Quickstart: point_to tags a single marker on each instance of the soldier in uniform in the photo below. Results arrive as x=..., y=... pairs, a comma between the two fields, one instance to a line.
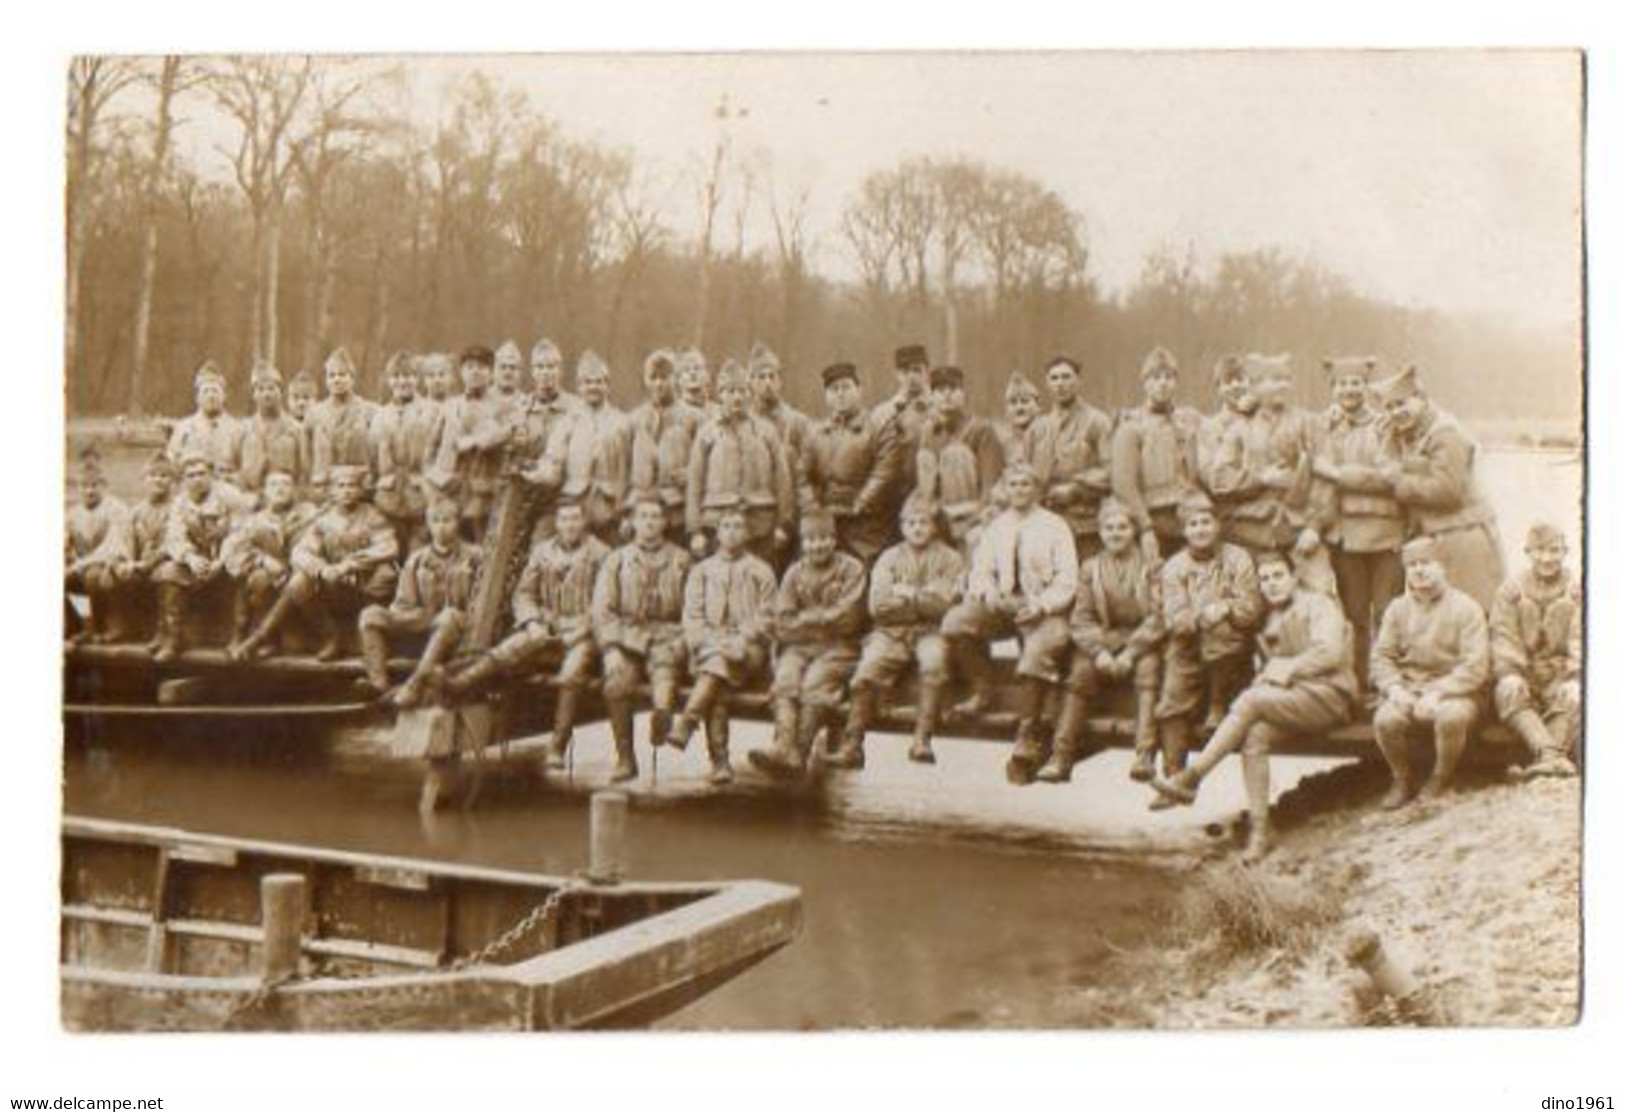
x=1070, y=450
x=270, y=439
x=193, y=538
x=1117, y=639
x=913, y=586
x=1154, y=456
x=474, y=434
x=817, y=620
x=404, y=431
x=344, y=559
x=97, y=540
x=210, y=432
x=1355, y=511
x=1022, y=405
x=1023, y=580
x=694, y=379
x=727, y=623
x=739, y=463
x=552, y=624
x=1305, y=687
x=1535, y=653
x=258, y=555
x=960, y=460
x=1221, y=437
x=507, y=380
x=147, y=530
x=301, y=400
x=851, y=467
x=435, y=374
x=637, y=616
x=1210, y=610
x=1431, y=473
x=340, y=424
x=589, y=456
x=767, y=404
x=663, y=432
x=907, y=412
x=1430, y=666
x=432, y=596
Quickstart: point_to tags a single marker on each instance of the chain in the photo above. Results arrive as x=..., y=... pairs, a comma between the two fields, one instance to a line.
x=254, y=1002
x=535, y=919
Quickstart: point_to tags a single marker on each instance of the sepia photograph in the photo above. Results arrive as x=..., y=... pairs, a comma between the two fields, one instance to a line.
x=823, y=541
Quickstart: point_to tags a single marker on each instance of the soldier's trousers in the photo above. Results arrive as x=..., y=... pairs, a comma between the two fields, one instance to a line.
x=529, y=651
x=1557, y=703
x=1366, y=583
x=814, y=674
x=1189, y=680
x=662, y=663
x=888, y=654
x=1044, y=644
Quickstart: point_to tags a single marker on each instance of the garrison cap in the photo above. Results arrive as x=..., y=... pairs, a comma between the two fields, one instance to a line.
x=399, y=362
x=262, y=371
x=1401, y=384
x=947, y=376
x=339, y=360
x=303, y=379
x=476, y=353
x=1228, y=368
x=509, y=353
x=835, y=372
x=660, y=358
x=817, y=520
x=1336, y=367
x=159, y=463
x=1544, y=532
x=910, y=355
x=208, y=372
x=918, y=504
x=191, y=456
x=763, y=357
x=591, y=363
x=543, y=349
x=1113, y=507
x=1194, y=503
x=732, y=374
x=1019, y=385
x=1420, y=549
x=1156, y=360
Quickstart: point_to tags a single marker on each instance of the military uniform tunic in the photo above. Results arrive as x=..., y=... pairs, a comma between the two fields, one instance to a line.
x=910, y=592
x=817, y=621
x=852, y=469
x=1536, y=637
x=728, y=615
x=552, y=609
x=637, y=613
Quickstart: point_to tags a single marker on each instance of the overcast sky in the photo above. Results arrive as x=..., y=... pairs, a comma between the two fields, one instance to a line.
x=1445, y=179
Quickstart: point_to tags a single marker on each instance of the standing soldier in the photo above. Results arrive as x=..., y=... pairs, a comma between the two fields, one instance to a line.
x=474, y=434
x=739, y=464
x=1222, y=438
x=817, y=620
x=270, y=440
x=1210, y=610
x=345, y=559
x=767, y=404
x=960, y=459
x=194, y=536
x=1070, y=450
x=1154, y=456
x=915, y=583
x=97, y=541
x=727, y=622
x=552, y=624
x=694, y=379
x=907, y=411
x=1355, y=511
x=546, y=408
x=1023, y=580
x=1306, y=687
x=340, y=424
x=210, y=432
x=1117, y=639
x=431, y=596
x=1431, y=474
x=1535, y=650
x=403, y=434
x=663, y=432
x=637, y=616
x=507, y=380
x=258, y=556
x=301, y=400
x=148, y=529
x=589, y=456
x=1430, y=666
x=1022, y=405
x=851, y=467
x=436, y=372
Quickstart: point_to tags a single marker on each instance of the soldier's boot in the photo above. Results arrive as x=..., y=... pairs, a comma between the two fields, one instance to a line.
x=330, y=646
x=925, y=724
x=242, y=622
x=970, y=658
x=1175, y=738
x=1145, y=736
x=98, y=624
x=783, y=760
x=1225, y=680
x=620, y=728
x=171, y=611
x=660, y=726
x=716, y=744
x=259, y=643
x=466, y=680
x=1255, y=772
x=1546, y=755
x=865, y=700
x=564, y=727
x=1030, y=750
x=374, y=662
x=441, y=642
x=1068, y=739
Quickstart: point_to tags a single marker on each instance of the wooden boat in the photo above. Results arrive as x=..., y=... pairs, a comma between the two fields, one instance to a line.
x=162, y=930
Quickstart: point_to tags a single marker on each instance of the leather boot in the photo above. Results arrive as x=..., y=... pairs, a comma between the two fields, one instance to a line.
x=171, y=611
x=783, y=760
x=1145, y=736
x=242, y=620
x=865, y=699
x=564, y=726
x=1027, y=754
x=375, y=659
x=1176, y=744
x=98, y=625
x=260, y=641
x=1178, y=790
x=925, y=724
x=470, y=679
x=716, y=744
x=977, y=671
x=620, y=727
x=330, y=647
x=1068, y=740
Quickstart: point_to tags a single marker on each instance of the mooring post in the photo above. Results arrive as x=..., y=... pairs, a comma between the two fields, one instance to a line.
x=1364, y=950
x=282, y=915
x=607, y=863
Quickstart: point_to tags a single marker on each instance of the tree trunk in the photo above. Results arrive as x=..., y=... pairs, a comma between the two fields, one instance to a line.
x=149, y=244
x=78, y=216
x=256, y=294
x=273, y=273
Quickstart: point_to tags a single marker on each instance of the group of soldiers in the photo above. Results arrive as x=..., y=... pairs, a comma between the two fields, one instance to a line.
x=1242, y=575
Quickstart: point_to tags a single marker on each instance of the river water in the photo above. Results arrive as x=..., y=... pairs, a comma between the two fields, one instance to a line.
x=934, y=897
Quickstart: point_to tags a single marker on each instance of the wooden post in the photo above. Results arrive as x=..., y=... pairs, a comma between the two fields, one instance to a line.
x=607, y=863
x=282, y=915
x=1364, y=951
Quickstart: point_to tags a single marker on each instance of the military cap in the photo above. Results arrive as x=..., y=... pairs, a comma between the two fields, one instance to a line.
x=1544, y=532
x=917, y=504
x=1064, y=361
x=159, y=463
x=1113, y=507
x=262, y=371
x=1420, y=549
x=476, y=353
x=510, y=352
x=1158, y=359
x=397, y=362
x=1401, y=384
x=1019, y=385
x=732, y=373
x=591, y=363
x=764, y=357
x=817, y=520
x=835, y=372
x=339, y=360
x=1228, y=368
x=208, y=372
x=660, y=357
x=349, y=471
x=1363, y=365
x=910, y=355
x=191, y=456
x=90, y=458
x=1019, y=466
x=947, y=376
x=303, y=378
x=543, y=349
x=1194, y=503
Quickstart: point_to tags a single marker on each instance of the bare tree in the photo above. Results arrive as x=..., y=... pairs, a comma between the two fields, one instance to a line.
x=789, y=213
x=712, y=186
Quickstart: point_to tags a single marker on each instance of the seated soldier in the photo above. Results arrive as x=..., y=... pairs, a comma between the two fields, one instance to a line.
x=727, y=615
x=1306, y=686
x=1117, y=639
x=552, y=623
x=1535, y=652
x=345, y=558
x=258, y=555
x=637, y=615
x=97, y=539
x=1022, y=582
x=194, y=537
x=144, y=546
x=1210, y=609
x=914, y=584
x=431, y=596
x=817, y=620
x=1430, y=665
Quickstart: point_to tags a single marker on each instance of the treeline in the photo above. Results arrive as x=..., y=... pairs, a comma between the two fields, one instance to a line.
x=345, y=220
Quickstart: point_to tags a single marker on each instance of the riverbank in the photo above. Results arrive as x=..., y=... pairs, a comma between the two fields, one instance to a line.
x=1476, y=895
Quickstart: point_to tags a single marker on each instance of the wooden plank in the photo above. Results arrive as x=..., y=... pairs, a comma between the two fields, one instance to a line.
x=157, y=933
